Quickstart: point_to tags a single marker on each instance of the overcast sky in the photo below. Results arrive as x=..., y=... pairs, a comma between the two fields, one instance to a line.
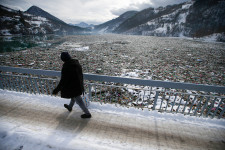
x=89, y=11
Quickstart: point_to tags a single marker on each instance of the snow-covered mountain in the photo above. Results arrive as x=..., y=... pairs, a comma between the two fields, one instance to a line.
x=163, y=21
x=34, y=10
x=206, y=17
x=195, y=18
x=39, y=22
x=83, y=25
x=111, y=25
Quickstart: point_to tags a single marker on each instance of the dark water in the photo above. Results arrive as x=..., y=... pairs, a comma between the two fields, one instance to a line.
x=17, y=43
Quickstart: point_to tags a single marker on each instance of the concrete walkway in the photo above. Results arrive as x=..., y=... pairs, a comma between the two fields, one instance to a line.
x=113, y=130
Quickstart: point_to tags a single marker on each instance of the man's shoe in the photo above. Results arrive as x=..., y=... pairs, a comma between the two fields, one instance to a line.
x=67, y=107
x=86, y=116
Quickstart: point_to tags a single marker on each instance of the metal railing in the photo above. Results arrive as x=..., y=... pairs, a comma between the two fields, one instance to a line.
x=173, y=97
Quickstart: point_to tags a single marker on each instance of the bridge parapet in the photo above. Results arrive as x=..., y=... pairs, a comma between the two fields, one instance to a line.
x=164, y=96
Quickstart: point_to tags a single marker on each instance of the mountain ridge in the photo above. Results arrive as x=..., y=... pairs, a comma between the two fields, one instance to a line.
x=23, y=23
x=145, y=16
x=110, y=25
x=83, y=25
x=34, y=10
x=195, y=18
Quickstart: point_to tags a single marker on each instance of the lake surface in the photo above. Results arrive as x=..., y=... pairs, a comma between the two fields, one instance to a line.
x=17, y=43
x=156, y=58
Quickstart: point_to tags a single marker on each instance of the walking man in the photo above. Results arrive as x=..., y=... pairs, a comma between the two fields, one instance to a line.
x=71, y=83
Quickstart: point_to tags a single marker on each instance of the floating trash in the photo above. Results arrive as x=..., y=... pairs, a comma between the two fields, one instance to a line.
x=199, y=60
x=86, y=48
x=167, y=49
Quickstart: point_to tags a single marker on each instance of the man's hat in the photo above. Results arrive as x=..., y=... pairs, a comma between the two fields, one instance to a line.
x=65, y=56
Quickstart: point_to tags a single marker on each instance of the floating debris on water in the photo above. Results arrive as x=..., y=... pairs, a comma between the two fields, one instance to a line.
x=161, y=58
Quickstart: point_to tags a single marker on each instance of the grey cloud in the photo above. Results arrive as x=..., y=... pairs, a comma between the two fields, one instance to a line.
x=94, y=11
x=118, y=12
x=133, y=6
x=16, y=4
x=85, y=1
x=167, y=2
x=141, y=6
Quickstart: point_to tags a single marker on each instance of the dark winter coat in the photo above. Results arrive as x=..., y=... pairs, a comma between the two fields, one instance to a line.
x=71, y=83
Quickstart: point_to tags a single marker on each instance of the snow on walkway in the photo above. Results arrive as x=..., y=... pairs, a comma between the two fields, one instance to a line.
x=40, y=122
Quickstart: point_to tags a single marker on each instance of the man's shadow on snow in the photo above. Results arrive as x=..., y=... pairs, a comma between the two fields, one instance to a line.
x=71, y=121
x=70, y=125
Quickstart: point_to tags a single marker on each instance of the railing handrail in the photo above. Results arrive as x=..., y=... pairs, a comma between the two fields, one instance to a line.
x=134, y=81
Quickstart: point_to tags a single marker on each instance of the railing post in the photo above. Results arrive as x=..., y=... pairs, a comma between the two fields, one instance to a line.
x=1, y=82
x=89, y=89
x=36, y=85
x=192, y=104
x=32, y=86
x=28, y=84
x=49, y=88
x=174, y=102
x=155, y=100
x=211, y=106
x=13, y=84
x=95, y=92
x=101, y=95
x=21, y=83
x=18, y=83
x=45, y=87
x=206, y=103
x=8, y=82
x=198, y=105
x=167, y=101
x=24, y=84
x=162, y=101
x=179, y=103
x=217, y=108
x=40, y=84
x=187, y=100
x=222, y=112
